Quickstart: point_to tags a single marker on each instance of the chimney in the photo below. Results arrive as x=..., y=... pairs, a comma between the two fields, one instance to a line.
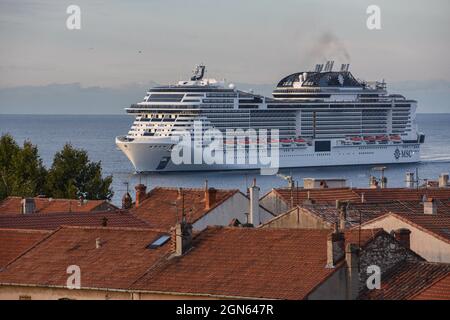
x=352, y=261
x=254, y=217
x=430, y=206
x=443, y=180
x=383, y=182
x=127, y=201
x=140, y=194
x=341, y=206
x=403, y=236
x=98, y=243
x=28, y=205
x=181, y=238
x=335, y=247
x=409, y=179
x=373, y=183
x=210, y=197
x=81, y=200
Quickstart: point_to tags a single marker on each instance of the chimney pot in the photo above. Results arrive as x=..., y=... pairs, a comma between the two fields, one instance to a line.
x=335, y=247
x=403, y=236
x=210, y=197
x=410, y=179
x=127, y=201
x=254, y=214
x=140, y=194
x=443, y=180
x=430, y=206
x=28, y=205
x=181, y=238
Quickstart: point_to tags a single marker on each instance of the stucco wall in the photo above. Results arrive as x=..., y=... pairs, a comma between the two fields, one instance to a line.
x=298, y=218
x=426, y=245
x=333, y=288
x=234, y=207
x=273, y=203
x=45, y=293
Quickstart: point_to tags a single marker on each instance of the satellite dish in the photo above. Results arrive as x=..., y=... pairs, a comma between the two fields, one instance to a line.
x=231, y=86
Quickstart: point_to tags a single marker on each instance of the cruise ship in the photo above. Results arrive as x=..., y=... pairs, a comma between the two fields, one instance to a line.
x=322, y=118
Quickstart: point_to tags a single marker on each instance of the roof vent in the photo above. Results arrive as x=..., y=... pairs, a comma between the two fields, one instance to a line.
x=98, y=243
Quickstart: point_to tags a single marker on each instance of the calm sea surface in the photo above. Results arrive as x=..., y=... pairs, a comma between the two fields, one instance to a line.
x=96, y=135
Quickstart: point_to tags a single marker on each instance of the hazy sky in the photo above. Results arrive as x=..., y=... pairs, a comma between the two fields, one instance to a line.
x=256, y=41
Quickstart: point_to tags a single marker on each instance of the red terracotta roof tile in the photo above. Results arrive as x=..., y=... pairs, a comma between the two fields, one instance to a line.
x=247, y=262
x=12, y=205
x=409, y=279
x=436, y=224
x=121, y=258
x=364, y=212
x=14, y=242
x=162, y=208
x=440, y=290
x=52, y=221
x=330, y=195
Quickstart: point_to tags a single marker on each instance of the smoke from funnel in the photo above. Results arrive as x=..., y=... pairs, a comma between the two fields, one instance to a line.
x=328, y=47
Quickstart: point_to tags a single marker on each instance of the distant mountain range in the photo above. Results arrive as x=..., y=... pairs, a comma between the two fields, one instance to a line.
x=433, y=97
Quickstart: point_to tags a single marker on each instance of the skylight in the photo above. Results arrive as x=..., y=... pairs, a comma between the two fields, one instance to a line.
x=158, y=242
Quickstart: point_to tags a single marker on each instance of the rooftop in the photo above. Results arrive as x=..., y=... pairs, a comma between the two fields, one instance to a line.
x=413, y=280
x=12, y=205
x=248, y=262
x=14, y=242
x=436, y=224
x=163, y=207
x=365, y=212
x=52, y=221
x=122, y=256
x=330, y=195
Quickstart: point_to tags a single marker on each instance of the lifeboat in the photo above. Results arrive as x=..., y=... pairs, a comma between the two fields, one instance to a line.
x=300, y=142
x=382, y=139
x=369, y=139
x=286, y=142
x=395, y=138
x=355, y=140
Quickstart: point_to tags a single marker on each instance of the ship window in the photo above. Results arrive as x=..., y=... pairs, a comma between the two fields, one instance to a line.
x=322, y=146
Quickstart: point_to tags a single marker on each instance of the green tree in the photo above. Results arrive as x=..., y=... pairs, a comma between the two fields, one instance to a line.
x=72, y=175
x=21, y=170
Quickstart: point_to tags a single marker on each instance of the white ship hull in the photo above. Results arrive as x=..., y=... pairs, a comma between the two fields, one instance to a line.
x=155, y=156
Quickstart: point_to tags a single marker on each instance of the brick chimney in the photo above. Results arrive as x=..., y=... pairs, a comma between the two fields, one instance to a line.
x=28, y=205
x=430, y=206
x=352, y=261
x=402, y=235
x=210, y=197
x=254, y=217
x=181, y=239
x=127, y=201
x=140, y=194
x=335, y=247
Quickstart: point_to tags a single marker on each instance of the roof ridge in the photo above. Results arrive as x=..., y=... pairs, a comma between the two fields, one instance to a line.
x=405, y=217
x=110, y=228
x=26, y=230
